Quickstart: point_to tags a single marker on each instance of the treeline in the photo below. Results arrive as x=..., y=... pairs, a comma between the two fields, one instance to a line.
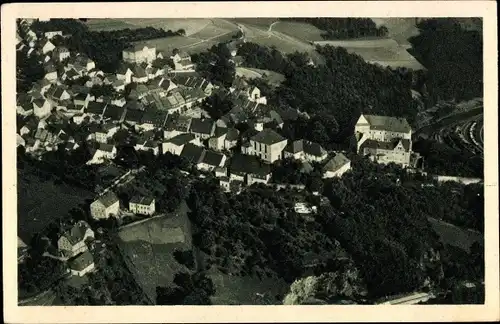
x=344, y=28
x=104, y=47
x=453, y=57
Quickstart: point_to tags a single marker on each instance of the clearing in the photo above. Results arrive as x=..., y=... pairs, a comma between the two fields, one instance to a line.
x=148, y=248
x=190, y=25
x=197, y=40
x=274, y=78
x=453, y=235
x=40, y=202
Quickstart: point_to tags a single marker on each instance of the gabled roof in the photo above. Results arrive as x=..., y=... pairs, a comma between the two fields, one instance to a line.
x=114, y=112
x=123, y=68
x=139, y=72
x=268, y=137
x=181, y=139
x=212, y=158
x=202, y=126
x=81, y=261
x=106, y=147
x=391, y=145
x=193, y=153
x=77, y=232
x=392, y=124
x=133, y=115
x=95, y=107
x=108, y=199
x=335, y=163
x=142, y=200
x=39, y=102
x=248, y=164
x=232, y=134
x=307, y=147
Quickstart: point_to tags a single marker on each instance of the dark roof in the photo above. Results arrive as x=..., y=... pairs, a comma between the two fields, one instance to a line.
x=244, y=164
x=212, y=158
x=142, y=200
x=114, y=112
x=77, y=232
x=139, y=72
x=122, y=69
x=268, y=137
x=232, y=134
x=373, y=144
x=137, y=47
x=134, y=105
x=336, y=162
x=220, y=131
x=201, y=126
x=81, y=261
x=307, y=147
x=108, y=199
x=106, y=147
x=193, y=153
x=181, y=139
x=39, y=102
x=95, y=107
x=392, y=124
x=81, y=96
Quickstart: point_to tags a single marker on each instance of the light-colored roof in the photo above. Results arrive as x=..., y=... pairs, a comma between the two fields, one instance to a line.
x=336, y=162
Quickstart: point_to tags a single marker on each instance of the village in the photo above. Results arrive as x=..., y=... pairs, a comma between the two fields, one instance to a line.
x=158, y=101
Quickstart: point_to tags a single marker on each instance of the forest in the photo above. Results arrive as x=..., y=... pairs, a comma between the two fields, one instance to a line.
x=453, y=57
x=214, y=65
x=344, y=28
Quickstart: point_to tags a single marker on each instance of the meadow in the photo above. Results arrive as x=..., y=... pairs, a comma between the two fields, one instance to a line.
x=190, y=25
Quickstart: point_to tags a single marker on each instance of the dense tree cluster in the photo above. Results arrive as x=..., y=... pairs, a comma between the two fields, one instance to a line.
x=453, y=58
x=344, y=28
x=189, y=289
x=215, y=65
x=217, y=105
x=441, y=159
x=28, y=71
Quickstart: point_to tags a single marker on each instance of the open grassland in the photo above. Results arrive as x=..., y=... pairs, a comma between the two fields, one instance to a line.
x=273, y=78
x=262, y=23
x=190, y=25
x=235, y=290
x=40, y=202
x=400, y=29
x=303, y=31
x=384, y=51
x=212, y=33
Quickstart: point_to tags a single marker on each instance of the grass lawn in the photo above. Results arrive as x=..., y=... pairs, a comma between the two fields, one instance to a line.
x=41, y=202
x=303, y=31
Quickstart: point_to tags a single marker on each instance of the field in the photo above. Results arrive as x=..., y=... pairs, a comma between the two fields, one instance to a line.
x=40, y=202
x=233, y=290
x=251, y=73
x=190, y=25
x=456, y=236
x=385, y=51
x=256, y=22
x=199, y=39
x=303, y=31
x=148, y=249
x=400, y=29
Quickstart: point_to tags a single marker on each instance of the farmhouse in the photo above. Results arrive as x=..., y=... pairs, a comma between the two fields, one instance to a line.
x=139, y=53
x=336, y=166
x=74, y=241
x=395, y=151
x=82, y=264
x=267, y=144
x=105, y=206
x=142, y=205
x=305, y=151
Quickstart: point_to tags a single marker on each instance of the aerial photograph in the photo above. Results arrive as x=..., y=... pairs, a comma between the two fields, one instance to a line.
x=250, y=161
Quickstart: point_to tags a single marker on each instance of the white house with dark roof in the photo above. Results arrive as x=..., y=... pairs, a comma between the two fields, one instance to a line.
x=336, y=166
x=124, y=73
x=60, y=54
x=102, y=153
x=105, y=206
x=74, y=241
x=193, y=153
x=182, y=61
x=81, y=264
x=41, y=108
x=202, y=127
x=305, y=151
x=385, y=139
x=175, y=145
x=51, y=34
x=142, y=205
x=211, y=160
x=148, y=145
x=139, y=53
x=267, y=144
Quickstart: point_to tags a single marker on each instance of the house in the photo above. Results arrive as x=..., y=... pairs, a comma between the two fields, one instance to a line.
x=20, y=141
x=41, y=108
x=139, y=54
x=176, y=125
x=336, y=166
x=71, y=74
x=102, y=153
x=267, y=144
x=202, y=128
x=176, y=144
x=81, y=63
x=50, y=73
x=82, y=264
x=95, y=109
x=82, y=99
x=105, y=206
x=385, y=139
x=148, y=145
x=223, y=139
x=71, y=146
x=25, y=108
x=73, y=242
x=248, y=168
x=193, y=153
x=124, y=73
x=105, y=132
x=139, y=74
x=182, y=61
x=22, y=250
x=57, y=93
x=114, y=113
x=47, y=47
x=231, y=139
x=142, y=205
x=211, y=160
x=51, y=34
x=31, y=38
x=120, y=102
x=395, y=151
x=119, y=85
x=60, y=54
x=305, y=151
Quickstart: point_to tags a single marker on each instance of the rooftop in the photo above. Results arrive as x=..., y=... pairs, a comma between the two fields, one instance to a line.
x=268, y=137
x=142, y=200
x=393, y=124
x=336, y=162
